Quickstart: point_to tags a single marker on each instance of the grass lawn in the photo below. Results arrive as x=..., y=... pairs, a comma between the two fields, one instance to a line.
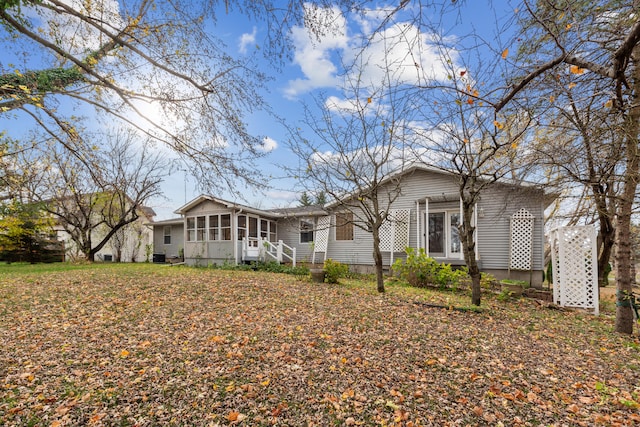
x=149, y=345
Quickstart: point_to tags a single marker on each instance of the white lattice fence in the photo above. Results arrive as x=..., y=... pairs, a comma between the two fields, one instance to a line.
x=521, y=243
x=321, y=241
x=575, y=274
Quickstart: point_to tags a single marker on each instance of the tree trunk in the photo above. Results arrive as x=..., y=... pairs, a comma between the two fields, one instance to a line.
x=469, y=250
x=624, y=315
x=377, y=257
x=607, y=239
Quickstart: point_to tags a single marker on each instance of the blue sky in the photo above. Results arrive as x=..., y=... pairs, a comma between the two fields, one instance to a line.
x=315, y=67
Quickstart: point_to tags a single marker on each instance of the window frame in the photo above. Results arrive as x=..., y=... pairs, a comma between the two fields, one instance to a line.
x=241, y=227
x=165, y=235
x=219, y=229
x=196, y=232
x=308, y=231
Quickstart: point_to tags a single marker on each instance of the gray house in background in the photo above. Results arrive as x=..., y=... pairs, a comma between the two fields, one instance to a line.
x=425, y=216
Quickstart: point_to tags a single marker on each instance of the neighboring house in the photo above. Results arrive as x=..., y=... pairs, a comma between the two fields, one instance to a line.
x=168, y=240
x=129, y=244
x=425, y=216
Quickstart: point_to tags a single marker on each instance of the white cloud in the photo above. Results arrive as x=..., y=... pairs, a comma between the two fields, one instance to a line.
x=313, y=54
x=247, y=39
x=407, y=54
x=268, y=144
x=285, y=197
x=402, y=52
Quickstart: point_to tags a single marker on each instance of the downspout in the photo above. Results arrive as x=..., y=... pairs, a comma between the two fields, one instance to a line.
x=418, y=225
x=426, y=225
x=461, y=219
x=475, y=224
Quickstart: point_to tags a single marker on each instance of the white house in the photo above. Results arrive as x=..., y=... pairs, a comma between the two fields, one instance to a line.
x=509, y=229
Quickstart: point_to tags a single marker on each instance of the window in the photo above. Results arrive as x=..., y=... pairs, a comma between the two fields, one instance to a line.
x=273, y=234
x=242, y=226
x=225, y=226
x=167, y=235
x=306, y=230
x=196, y=228
x=200, y=228
x=344, y=226
x=264, y=229
x=220, y=227
x=214, y=227
x=444, y=237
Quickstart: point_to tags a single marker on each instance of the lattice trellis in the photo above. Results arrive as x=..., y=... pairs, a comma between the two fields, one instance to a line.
x=521, y=243
x=575, y=262
x=394, y=233
x=321, y=241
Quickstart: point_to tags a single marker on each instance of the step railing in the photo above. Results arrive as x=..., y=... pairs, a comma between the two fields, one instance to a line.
x=278, y=252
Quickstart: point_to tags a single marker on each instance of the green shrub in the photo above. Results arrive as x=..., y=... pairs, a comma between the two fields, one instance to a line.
x=487, y=281
x=334, y=270
x=270, y=266
x=420, y=270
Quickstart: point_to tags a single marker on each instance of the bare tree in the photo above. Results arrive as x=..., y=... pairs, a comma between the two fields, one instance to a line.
x=356, y=151
x=601, y=39
x=94, y=198
x=153, y=65
x=556, y=38
x=462, y=135
x=581, y=147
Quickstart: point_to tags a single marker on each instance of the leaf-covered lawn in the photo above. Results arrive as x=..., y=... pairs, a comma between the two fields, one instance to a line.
x=150, y=345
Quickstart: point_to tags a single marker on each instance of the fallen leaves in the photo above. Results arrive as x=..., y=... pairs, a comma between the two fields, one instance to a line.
x=201, y=347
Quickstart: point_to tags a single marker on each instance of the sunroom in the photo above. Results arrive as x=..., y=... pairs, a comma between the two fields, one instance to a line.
x=218, y=231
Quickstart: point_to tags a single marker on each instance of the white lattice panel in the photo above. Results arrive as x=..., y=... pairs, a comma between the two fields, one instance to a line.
x=576, y=268
x=386, y=235
x=521, y=243
x=555, y=263
x=394, y=232
x=322, y=234
x=401, y=233
x=321, y=241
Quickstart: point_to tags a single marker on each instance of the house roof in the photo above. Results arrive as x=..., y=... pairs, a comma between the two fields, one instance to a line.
x=171, y=221
x=318, y=210
x=300, y=211
x=229, y=204
x=272, y=213
x=417, y=166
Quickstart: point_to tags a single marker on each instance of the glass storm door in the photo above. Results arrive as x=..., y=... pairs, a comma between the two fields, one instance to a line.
x=437, y=234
